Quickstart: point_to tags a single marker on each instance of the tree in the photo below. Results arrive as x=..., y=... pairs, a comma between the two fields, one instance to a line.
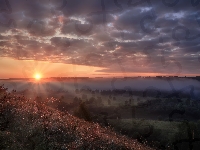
x=83, y=112
x=130, y=101
x=99, y=100
x=75, y=100
x=109, y=102
x=187, y=102
x=84, y=96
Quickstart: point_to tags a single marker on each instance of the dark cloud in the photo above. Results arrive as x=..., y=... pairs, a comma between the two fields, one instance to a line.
x=121, y=36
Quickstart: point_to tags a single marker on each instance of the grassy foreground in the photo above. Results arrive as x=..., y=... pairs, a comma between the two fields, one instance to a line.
x=27, y=125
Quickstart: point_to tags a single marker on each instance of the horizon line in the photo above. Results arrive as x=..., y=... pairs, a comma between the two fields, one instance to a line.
x=104, y=77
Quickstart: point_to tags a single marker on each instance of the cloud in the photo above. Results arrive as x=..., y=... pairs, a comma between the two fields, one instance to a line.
x=117, y=35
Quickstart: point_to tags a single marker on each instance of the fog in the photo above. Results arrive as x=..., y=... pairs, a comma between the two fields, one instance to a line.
x=141, y=84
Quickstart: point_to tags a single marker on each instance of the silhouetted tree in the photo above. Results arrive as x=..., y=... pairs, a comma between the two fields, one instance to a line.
x=187, y=102
x=109, y=102
x=83, y=112
x=130, y=101
x=84, y=96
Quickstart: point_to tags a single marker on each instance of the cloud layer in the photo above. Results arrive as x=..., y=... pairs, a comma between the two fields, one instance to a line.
x=119, y=35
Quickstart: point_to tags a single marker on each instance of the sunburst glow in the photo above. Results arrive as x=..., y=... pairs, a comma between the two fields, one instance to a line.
x=37, y=76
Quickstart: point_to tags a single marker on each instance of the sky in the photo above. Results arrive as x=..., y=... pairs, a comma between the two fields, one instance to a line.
x=99, y=38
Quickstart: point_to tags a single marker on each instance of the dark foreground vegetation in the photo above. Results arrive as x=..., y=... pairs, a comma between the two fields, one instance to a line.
x=158, y=119
x=28, y=125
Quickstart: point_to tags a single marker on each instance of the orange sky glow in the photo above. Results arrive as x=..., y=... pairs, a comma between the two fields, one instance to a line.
x=11, y=68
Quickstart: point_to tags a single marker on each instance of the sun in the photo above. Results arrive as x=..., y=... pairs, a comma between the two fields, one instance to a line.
x=37, y=76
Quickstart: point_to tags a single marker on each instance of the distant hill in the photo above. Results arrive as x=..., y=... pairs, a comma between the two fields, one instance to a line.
x=27, y=125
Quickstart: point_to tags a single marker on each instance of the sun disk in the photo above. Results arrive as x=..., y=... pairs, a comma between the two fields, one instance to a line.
x=37, y=76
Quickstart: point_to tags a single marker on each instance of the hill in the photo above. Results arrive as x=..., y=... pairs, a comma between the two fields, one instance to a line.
x=28, y=125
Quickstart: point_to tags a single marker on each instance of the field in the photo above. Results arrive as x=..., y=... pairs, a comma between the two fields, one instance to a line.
x=161, y=122
x=27, y=124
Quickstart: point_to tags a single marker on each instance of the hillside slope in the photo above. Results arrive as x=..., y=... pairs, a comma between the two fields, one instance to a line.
x=28, y=125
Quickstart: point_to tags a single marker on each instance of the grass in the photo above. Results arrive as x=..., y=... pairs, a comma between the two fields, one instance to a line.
x=162, y=131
